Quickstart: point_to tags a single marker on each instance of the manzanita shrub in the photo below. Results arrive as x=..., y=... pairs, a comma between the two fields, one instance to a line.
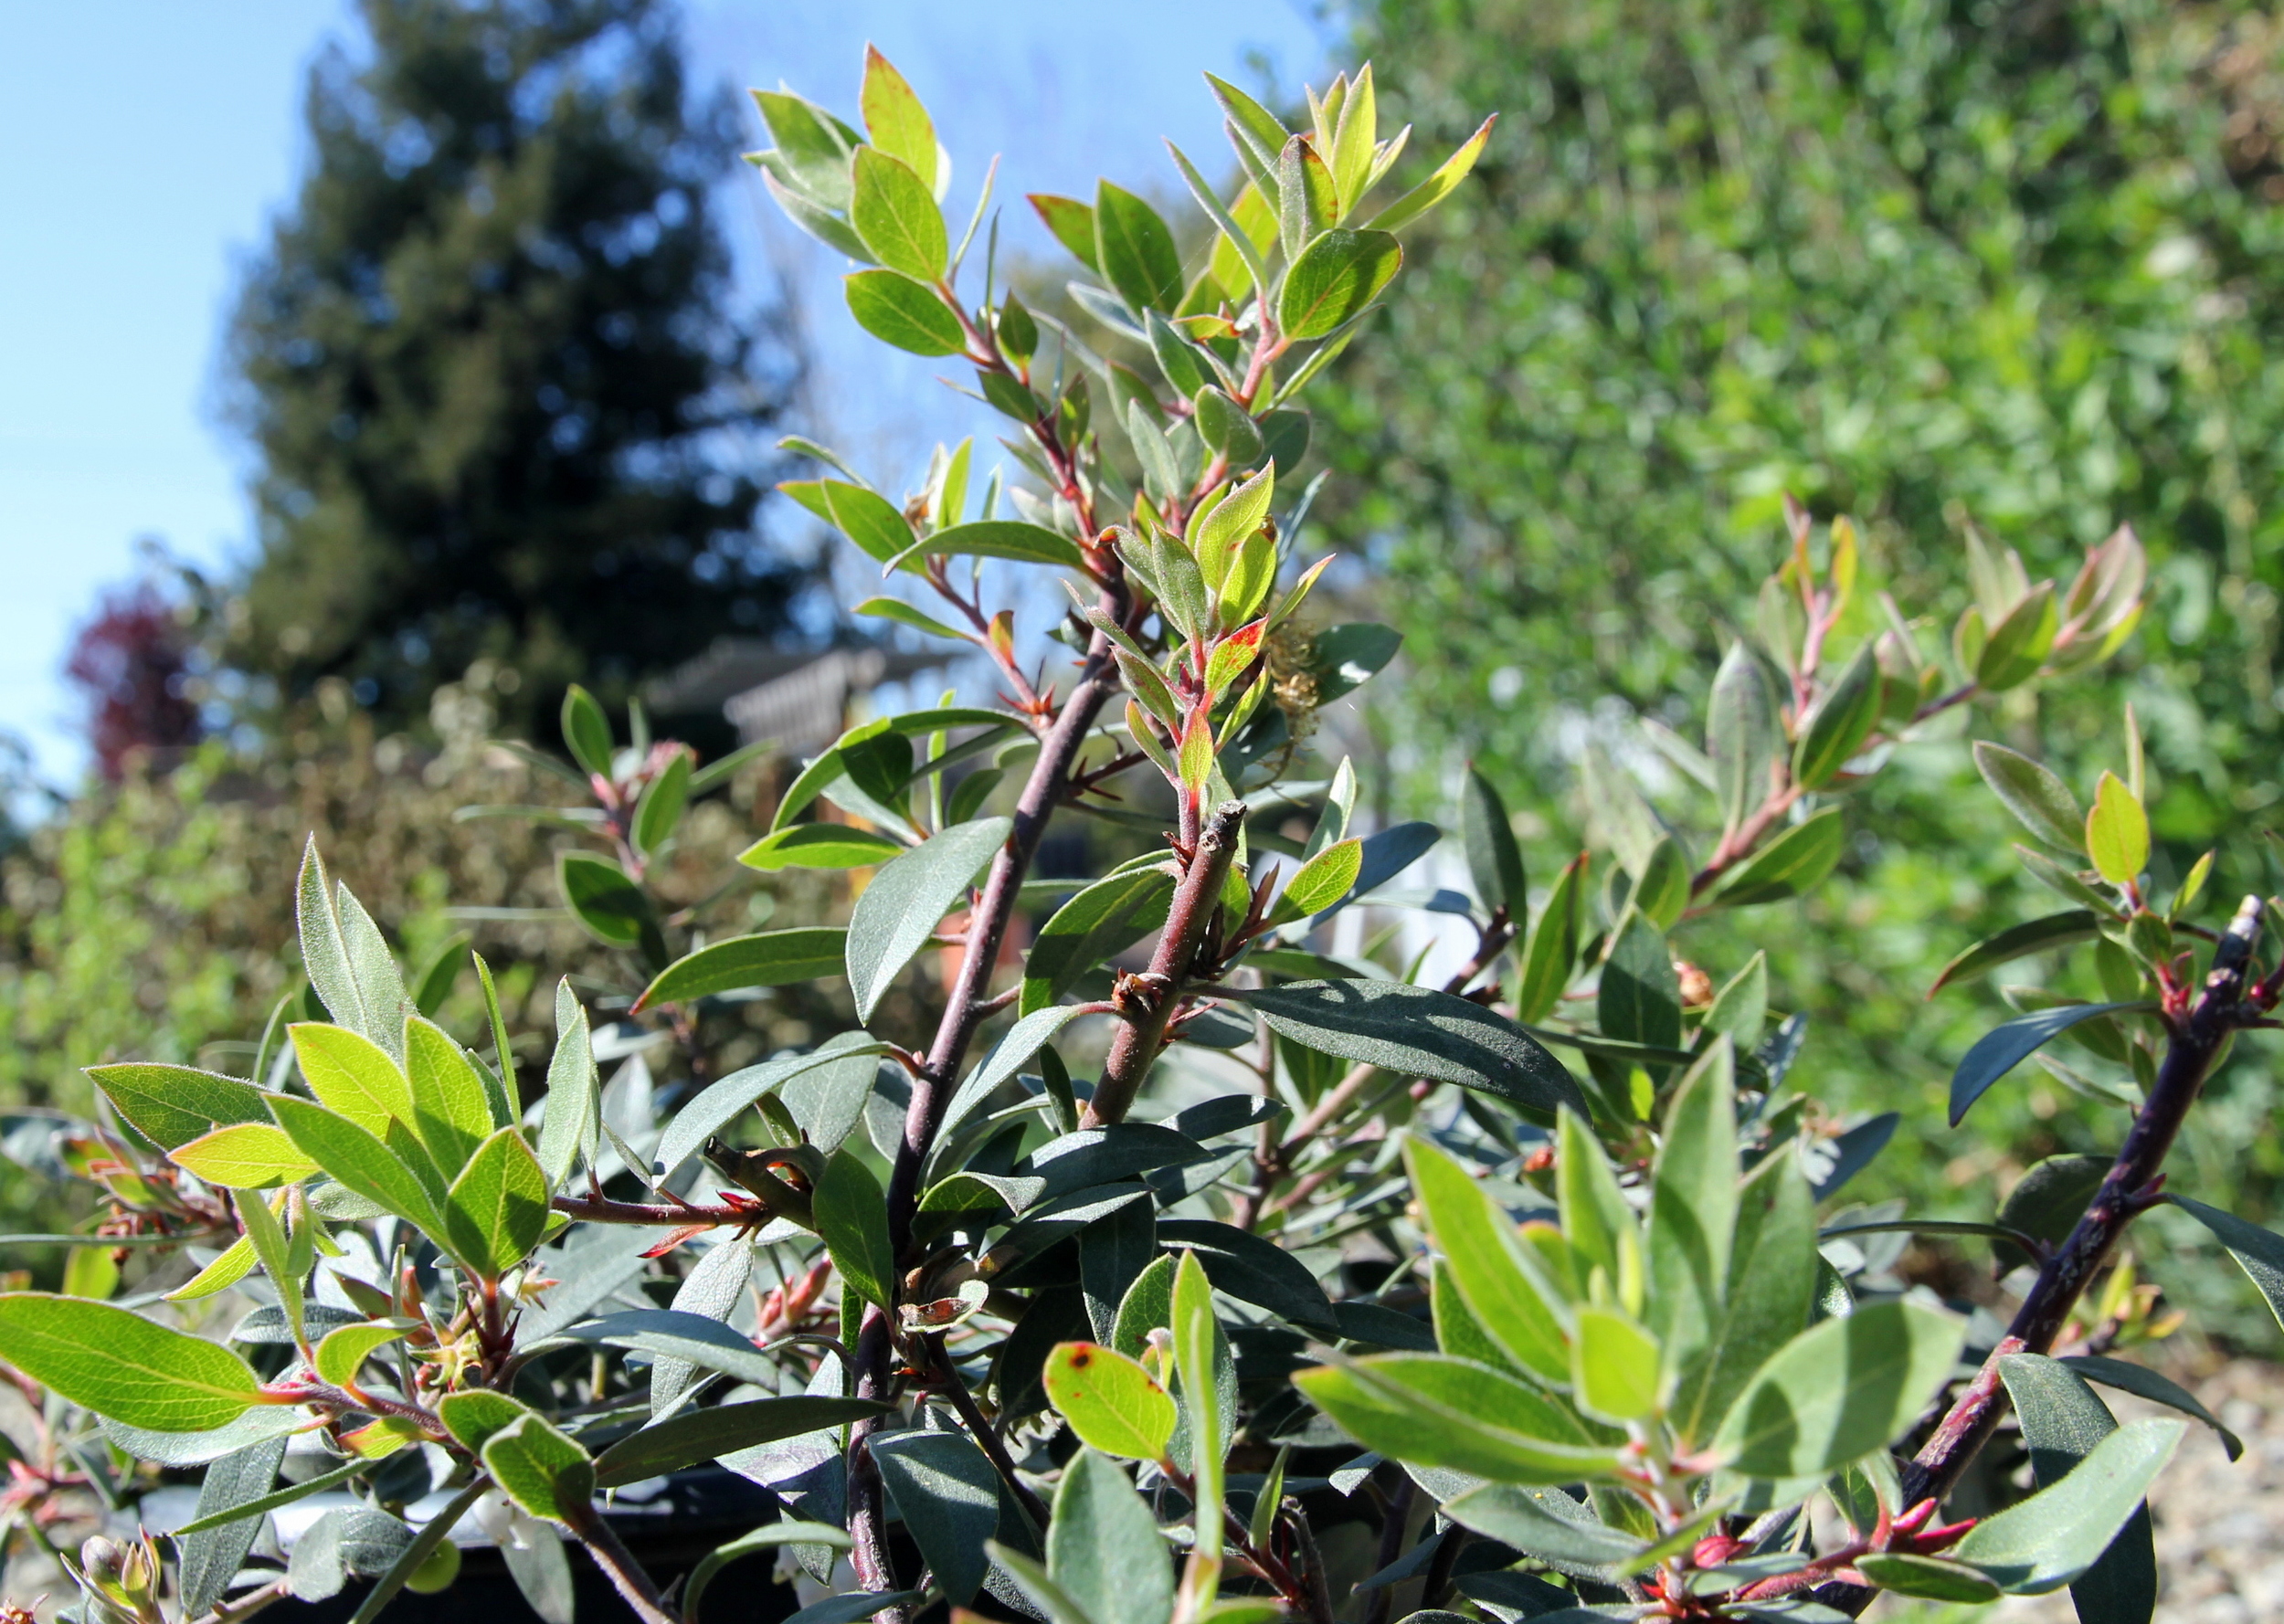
x=1115, y=1295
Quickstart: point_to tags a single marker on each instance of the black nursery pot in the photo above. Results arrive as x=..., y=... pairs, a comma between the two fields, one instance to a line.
x=669, y=1535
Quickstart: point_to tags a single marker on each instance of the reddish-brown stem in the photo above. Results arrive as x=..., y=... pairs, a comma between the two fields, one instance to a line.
x=596, y=1209
x=2196, y=1044
x=1149, y=999
x=626, y=1575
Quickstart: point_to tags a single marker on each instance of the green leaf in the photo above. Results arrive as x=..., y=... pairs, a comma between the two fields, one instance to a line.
x=497, y=1208
x=232, y=1497
x=1550, y=953
x=902, y=313
x=910, y=895
x=2042, y=1542
x=1196, y=1341
x=346, y=1349
x=1640, y=1000
x=1071, y=223
x=358, y=1160
x=1103, y=1548
x=352, y=1075
x=1215, y=537
x=171, y=1105
x=850, y=1056
x=1841, y=722
x=451, y=1109
x=1439, y=186
x=997, y=538
x=1147, y=1305
x=895, y=213
x=2002, y=1048
x=541, y=1469
x=1110, y=1400
x=245, y=1156
x=436, y=982
x=1614, y=1366
x=1693, y=1208
x=867, y=518
x=2144, y=1383
x=903, y=614
x=1321, y=881
x=269, y=1237
x=1418, y=1031
x=2047, y=1201
x=2019, y=941
x=660, y=808
x=473, y=1417
x=1546, y=1523
x=607, y=900
x=1253, y=1269
x=815, y=146
x=2040, y=802
x=1307, y=202
x=2259, y=1252
x=1596, y=1219
x=1929, y=1578
x=1334, y=278
x=1839, y=1390
x=120, y=1365
x=772, y=958
x=1495, y=862
x=2019, y=644
x=1740, y=1008
x=1433, y=1410
x=698, y=1435
x=1501, y=1280
x=1105, y=919
x=570, y=1120
x=851, y=1216
x=1793, y=863
x=2062, y=1421
x=1227, y=427
x=2117, y=832
x=1135, y=251
x=586, y=732
x=1772, y=1273
x=948, y=1495
x=325, y=955
x=1742, y=735
x=893, y=119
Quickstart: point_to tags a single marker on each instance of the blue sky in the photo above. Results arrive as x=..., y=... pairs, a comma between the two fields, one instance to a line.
x=150, y=140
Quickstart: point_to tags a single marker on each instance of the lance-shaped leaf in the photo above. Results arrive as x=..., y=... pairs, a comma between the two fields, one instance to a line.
x=1103, y=1549
x=212, y=1556
x=1549, y=1524
x=2040, y=802
x=1110, y=1400
x=996, y=538
x=121, y=1365
x=948, y=1495
x=606, y=899
x=1434, y=1410
x=1418, y=1031
x=1502, y=1282
x=451, y=1107
x=1495, y=862
x=820, y=846
x=2259, y=1252
x=851, y=1214
x=1439, y=186
x=1106, y=918
x=2062, y=1422
x=1841, y=722
x=1742, y=735
x=1253, y=1269
x=867, y=518
x=894, y=212
x=719, y=1106
x=900, y=909
x=2002, y=1049
x=358, y=1161
x=1793, y=863
x=771, y=958
x=2117, y=832
x=586, y=732
x=698, y=1435
x=660, y=808
x=346, y=1349
x=2042, y=1542
x=570, y=1122
x=171, y=1105
x=1640, y=998
x=2019, y=941
x=1693, y=1208
x=2144, y=1383
x=1320, y=882
x=1772, y=1273
x=1839, y=1390
x=1543, y=969
x=1135, y=251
